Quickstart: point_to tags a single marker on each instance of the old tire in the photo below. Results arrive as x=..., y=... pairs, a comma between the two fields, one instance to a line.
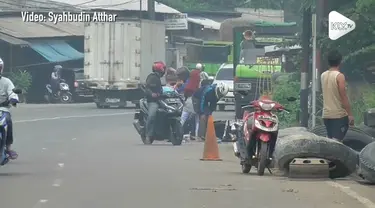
x=367, y=129
x=292, y=130
x=355, y=138
x=367, y=163
x=303, y=145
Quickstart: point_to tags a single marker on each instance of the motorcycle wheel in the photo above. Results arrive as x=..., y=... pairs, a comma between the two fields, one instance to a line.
x=176, y=133
x=65, y=97
x=246, y=168
x=263, y=158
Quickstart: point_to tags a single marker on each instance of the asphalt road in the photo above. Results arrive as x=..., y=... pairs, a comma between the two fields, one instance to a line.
x=79, y=156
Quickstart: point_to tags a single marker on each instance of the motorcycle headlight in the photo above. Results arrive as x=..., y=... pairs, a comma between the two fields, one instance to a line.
x=266, y=106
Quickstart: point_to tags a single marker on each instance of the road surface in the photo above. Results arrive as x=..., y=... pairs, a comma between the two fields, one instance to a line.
x=79, y=156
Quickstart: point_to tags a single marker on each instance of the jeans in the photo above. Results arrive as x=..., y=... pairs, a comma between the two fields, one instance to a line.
x=55, y=86
x=202, y=126
x=152, y=111
x=337, y=128
x=186, y=115
x=9, y=139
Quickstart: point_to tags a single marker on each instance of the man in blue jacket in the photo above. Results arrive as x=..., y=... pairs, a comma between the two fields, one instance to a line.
x=205, y=102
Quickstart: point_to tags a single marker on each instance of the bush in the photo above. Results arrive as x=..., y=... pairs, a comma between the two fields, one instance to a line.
x=281, y=91
x=21, y=79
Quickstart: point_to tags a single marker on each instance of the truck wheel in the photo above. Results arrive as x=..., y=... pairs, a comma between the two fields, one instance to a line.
x=343, y=158
x=221, y=107
x=239, y=111
x=367, y=163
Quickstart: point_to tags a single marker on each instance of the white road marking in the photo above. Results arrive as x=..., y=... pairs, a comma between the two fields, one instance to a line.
x=44, y=148
x=76, y=116
x=39, y=203
x=74, y=139
x=61, y=165
x=57, y=183
x=347, y=190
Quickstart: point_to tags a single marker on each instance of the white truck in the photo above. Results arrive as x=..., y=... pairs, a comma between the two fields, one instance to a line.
x=118, y=58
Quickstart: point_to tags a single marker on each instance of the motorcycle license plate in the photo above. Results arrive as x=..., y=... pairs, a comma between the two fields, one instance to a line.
x=172, y=100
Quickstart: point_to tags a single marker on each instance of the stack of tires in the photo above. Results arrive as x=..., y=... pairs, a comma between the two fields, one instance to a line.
x=298, y=142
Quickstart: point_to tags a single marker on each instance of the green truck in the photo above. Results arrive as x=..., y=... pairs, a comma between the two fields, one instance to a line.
x=254, y=69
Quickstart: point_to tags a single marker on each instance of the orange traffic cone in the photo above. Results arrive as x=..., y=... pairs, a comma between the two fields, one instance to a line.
x=211, y=148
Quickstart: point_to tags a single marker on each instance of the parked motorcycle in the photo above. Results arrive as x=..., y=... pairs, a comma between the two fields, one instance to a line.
x=168, y=124
x=63, y=95
x=257, y=134
x=4, y=158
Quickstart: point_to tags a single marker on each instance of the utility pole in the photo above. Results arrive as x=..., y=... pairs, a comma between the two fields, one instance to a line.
x=320, y=13
x=315, y=72
x=151, y=9
x=304, y=94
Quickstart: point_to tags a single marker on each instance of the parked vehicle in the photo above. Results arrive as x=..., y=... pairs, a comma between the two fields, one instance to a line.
x=168, y=124
x=118, y=60
x=63, y=95
x=256, y=138
x=4, y=158
x=225, y=75
x=81, y=91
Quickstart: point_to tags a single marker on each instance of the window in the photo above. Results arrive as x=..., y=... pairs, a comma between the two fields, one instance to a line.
x=225, y=74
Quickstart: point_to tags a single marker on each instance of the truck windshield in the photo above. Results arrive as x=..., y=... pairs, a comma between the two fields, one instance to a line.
x=225, y=74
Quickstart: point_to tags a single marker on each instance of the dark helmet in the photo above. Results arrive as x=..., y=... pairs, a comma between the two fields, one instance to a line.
x=159, y=67
x=183, y=73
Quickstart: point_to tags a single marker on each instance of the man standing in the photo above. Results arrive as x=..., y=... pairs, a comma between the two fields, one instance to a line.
x=337, y=115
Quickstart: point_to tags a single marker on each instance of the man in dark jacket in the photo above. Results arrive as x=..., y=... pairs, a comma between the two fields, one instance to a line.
x=153, y=91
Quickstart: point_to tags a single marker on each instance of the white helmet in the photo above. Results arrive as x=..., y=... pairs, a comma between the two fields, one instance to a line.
x=199, y=66
x=221, y=90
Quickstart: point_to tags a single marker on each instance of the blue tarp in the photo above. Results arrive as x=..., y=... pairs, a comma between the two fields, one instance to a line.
x=56, y=50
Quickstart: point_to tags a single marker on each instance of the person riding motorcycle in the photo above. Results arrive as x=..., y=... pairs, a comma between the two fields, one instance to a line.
x=153, y=91
x=6, y=94
x=55, y=79
x=205, y=102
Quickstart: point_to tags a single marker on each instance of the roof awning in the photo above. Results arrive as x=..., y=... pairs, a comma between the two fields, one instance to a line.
x=12, y=40
x=55, y=50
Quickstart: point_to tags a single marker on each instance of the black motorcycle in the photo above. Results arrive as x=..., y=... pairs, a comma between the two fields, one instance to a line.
x=63, y=95
x=168, y=118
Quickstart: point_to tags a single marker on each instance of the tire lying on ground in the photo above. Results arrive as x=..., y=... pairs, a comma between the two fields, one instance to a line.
x=355, y=138
x=367, y=129
x=343, y=159
x=292, y=130
x=367, y=163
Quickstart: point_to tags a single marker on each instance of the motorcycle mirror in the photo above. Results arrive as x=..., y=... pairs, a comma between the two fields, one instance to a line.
x=291, y=99
x=17, y=91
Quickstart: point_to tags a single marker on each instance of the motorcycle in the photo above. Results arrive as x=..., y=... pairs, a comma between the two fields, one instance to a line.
x=63, y=95
x=168, y=123
x=4, y=157
x=256, y=136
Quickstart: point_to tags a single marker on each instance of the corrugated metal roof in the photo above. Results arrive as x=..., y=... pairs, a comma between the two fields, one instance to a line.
x=14, y=26
x=35, y=5
x=206, y=23
x=133, y=5
x=12, y=40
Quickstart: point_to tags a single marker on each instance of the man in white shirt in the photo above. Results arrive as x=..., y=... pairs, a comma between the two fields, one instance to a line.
x=7, y=98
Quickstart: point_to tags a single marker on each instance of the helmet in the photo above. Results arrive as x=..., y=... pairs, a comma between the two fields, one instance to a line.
x=159, y=67
x=183, y=73
x=57, y=68
x=1, y=65
x=221, y=90
x=199, y=66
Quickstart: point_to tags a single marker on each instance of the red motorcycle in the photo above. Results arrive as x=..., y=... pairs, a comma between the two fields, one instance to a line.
x=257, y=136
